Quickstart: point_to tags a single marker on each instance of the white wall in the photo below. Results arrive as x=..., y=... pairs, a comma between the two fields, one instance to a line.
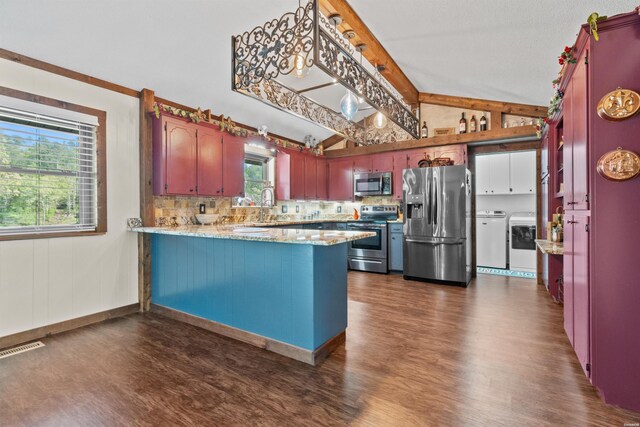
x=51, y=280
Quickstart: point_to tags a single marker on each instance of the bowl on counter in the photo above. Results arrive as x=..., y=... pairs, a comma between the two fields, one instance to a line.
x=207, y=219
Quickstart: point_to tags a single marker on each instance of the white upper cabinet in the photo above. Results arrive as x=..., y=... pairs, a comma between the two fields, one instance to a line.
x=506, y=173
x=523, y=172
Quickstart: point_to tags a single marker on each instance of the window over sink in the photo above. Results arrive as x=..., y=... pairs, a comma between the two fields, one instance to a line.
x=259, y=170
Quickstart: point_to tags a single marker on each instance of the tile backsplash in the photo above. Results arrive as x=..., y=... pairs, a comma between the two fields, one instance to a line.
x=182, y=210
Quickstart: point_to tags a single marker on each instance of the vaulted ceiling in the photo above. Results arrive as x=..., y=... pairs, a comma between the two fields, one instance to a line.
x=494, y=49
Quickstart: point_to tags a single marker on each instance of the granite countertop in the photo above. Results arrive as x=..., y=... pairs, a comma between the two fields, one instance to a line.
x=261, y=234
x=549, y=247
x=298, y=222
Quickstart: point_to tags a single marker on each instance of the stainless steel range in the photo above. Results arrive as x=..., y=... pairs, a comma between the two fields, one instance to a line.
x=370, y=254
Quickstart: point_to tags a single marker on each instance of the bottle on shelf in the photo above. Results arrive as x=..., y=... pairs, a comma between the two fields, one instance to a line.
x=463, y=124
x=424, y=133
x=483, y=122
x=473, y=124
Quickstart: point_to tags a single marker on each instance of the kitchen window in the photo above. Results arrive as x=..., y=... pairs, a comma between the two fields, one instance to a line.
x=259, y=168
x=50, y=171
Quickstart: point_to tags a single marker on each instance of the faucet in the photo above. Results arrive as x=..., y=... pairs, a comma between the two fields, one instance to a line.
x=268, y=188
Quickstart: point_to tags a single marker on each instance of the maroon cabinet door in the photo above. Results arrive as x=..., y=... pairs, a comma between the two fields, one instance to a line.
x=297, y=176
x=382, y=162
x=567, y=149
x=579, y=110
x=568, y=276
x=283, y=175
x=232, y=165
x=209, y=161
x=310, y=177
x=181, y=173
x=580, y=282
x=341, y=179
x=399, y=165
x=414, y=156
x=321, y=179
x=362, y=164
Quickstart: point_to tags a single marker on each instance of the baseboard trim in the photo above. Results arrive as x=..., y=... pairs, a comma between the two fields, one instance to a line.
x=67, y=325
x=284, y=349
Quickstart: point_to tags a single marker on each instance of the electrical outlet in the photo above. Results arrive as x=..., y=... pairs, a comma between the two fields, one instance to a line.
x=297, y=208
x=212, y=204
x=338, y=209
x=203, y=208
x=285, y=208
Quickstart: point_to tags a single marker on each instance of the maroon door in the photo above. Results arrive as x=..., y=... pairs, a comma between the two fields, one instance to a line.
x=567, y=150
x=414, y=156
x=568, y=276
x=580, y=255
x=399, y=165
x=297, y=176
x=310, y=178
x=362, y=164
x=580, y=127
x=382, y=162
x=341, y=179
x=181, y=176
x=321, y=179
x=209, y=161
x=283, y=175
x=232, y=165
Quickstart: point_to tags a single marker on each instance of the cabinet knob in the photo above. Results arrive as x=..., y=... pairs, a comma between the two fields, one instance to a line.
x=191, y=189
x=511, y=189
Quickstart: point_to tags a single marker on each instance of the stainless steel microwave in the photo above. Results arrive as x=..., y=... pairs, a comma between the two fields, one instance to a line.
x=372, y=184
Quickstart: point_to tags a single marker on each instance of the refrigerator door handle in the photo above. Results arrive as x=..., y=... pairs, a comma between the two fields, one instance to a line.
x=429, y=202
x=433, y=242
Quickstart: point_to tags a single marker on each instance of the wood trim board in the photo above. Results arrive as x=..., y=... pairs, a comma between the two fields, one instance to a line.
x=526, y=110
x=284, y=349
x=67, y=325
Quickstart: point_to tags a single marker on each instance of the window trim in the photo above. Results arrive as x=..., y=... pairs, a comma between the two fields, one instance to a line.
x=101, y=164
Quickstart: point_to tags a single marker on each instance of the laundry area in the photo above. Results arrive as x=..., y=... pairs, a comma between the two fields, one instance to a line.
x=506, y=214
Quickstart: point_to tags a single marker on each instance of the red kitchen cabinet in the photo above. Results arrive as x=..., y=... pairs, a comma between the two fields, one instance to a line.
x=321, y=179
x=174, y=156
x=579, y=196
x=414, y=156
x=341, y=179
x=382, y=162
x=232, y=165
x=399, y=165
x=283, y=175
x=297, y=168
x=362, y=164
x=310, y=178
x=209, y=161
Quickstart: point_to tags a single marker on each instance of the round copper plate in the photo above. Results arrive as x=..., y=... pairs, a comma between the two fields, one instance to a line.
x=619, y=165
x=620, y=104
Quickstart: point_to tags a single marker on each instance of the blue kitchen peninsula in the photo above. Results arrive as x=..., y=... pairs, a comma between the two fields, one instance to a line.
x=284, y=290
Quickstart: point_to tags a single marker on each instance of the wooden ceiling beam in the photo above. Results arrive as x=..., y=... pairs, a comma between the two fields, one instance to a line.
x=375, y=53
x=483, y=105
x=466, y=138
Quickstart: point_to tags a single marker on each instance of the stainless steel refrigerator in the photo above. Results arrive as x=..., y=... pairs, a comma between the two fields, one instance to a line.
x=437, y=224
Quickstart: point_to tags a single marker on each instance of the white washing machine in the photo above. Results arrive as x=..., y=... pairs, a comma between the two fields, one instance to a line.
x=491, y=239
x=522, y=244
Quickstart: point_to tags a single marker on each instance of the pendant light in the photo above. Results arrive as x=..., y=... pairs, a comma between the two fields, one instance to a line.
x=349, y=105
x=379, y=120
x=298, y=61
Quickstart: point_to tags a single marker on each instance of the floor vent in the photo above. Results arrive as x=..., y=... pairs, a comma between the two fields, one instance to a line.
x=20, y=349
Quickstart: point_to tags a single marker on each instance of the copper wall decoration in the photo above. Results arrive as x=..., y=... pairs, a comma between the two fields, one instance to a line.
x=620, y=104
x=619, y=165
x=263, y=54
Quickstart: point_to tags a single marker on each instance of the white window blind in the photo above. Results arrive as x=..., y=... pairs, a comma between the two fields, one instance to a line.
x=48, y=173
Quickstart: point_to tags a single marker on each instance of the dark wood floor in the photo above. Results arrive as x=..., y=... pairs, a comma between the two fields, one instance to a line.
x=416, y=354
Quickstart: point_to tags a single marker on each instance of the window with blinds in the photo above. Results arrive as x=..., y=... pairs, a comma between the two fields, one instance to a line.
x=48, y=174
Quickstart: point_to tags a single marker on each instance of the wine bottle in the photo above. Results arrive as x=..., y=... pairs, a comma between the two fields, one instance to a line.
x=425, y=130
x=463, y=124
x=483, y=122
x=473, y=123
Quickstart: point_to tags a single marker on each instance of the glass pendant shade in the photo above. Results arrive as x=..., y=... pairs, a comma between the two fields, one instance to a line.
x=379, y=120
x=349, y=105
x=300, y=69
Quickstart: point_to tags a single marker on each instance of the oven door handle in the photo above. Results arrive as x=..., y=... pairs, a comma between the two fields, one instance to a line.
x=367, y=261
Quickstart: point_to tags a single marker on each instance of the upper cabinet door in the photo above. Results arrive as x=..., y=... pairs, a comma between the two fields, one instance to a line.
x=362, y=164
x=382, y=162
x=522, y=171
x=399, y=165
x=232, y=165
x=414, y=157
x=341, y=179
x=181, y=173
x=297, y=176
x=310, y=177
x=499, y=173
x=321, y=179
x=580, y=127
x=209, y=161
x=283, y=175
x=483, y=172
x=567, y=150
